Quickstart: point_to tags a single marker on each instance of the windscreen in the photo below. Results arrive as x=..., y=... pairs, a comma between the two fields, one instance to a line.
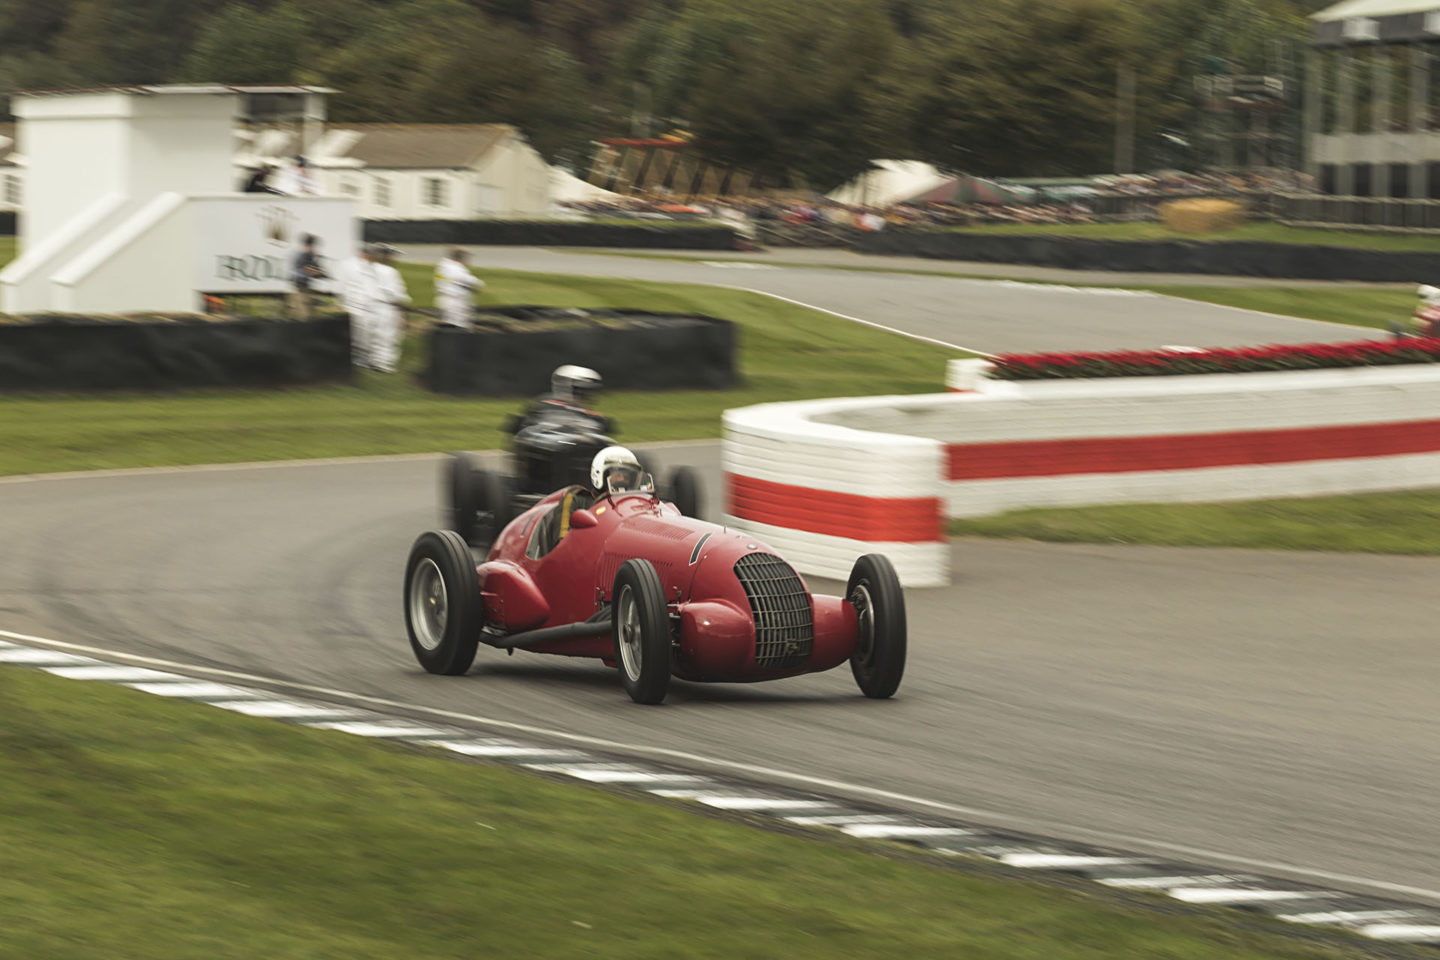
x=627, y=479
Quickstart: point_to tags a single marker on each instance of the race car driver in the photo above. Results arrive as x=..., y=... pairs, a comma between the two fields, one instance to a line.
x=571, y=388
x=613, y=470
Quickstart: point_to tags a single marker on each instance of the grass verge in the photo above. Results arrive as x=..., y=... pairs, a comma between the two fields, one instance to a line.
x=1406, y=522
x=1375, y=307
x=786, y=353
x=137, y=827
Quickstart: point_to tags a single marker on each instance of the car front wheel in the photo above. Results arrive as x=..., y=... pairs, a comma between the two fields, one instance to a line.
x=444, y=610
x=641, y=628
x=879, y=658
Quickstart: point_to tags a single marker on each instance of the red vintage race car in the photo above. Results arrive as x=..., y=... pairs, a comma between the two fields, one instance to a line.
x=626, y=578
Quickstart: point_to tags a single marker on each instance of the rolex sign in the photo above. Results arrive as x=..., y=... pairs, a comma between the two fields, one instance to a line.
x=247, y=243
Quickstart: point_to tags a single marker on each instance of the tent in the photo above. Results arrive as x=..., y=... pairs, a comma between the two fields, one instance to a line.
x=889, y=183
x=568, y=188
x=971, y=190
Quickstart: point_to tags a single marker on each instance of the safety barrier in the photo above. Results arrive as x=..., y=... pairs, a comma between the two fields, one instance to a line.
x=70, y=353
x=1235, y=258
x=551, y=233
x=512, y=350
x=824, y=481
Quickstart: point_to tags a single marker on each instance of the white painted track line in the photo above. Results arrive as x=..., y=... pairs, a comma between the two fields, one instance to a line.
x=997, y=819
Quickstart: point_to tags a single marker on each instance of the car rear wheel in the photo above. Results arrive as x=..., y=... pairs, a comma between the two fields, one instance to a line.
x=497, y=505
x=462, y=495
x=879, y=658
x=444, y=610
x=641, y=628
x=685, y=491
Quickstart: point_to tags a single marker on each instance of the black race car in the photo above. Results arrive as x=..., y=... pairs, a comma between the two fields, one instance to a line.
x=551, y=447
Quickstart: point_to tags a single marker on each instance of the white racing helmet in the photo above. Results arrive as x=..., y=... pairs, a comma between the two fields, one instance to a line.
x=617, y=470
x=574, y=384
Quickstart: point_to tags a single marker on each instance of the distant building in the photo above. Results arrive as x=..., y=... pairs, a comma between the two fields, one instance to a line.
x=1372, y=99
x=409, y=171
x=418, y=171
x=11, y=174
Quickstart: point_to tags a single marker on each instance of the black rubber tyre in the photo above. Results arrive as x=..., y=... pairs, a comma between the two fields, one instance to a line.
x=461, y=495
x=641, y=630
x=499, y=502
x=879, y=658
x=444, y=610
x=649, y=464
x=684, y=489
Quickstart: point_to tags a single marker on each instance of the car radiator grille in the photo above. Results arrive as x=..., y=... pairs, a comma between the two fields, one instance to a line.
x=784, y=628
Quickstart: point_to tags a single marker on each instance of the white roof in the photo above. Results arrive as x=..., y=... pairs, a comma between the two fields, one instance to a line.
x=890, y=182
x=1349, y=9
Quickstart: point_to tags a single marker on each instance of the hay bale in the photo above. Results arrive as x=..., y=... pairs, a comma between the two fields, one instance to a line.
x=1202, y=216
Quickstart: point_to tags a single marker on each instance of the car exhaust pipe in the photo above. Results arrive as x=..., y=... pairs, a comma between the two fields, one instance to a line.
x=586, y=628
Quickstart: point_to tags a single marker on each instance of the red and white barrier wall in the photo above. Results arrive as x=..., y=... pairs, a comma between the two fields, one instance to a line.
x=823, y=493
x=824, y=481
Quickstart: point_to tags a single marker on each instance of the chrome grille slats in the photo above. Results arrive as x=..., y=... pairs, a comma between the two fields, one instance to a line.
x=784, y=627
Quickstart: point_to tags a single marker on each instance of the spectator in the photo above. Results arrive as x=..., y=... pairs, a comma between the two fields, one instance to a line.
x=360, y=296
x=304, y=271
x=295, y=180
x=455, y=288
x=259, y=181
x=391, y=299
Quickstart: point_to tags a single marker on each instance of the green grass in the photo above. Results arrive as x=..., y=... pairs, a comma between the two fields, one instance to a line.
x=1406, y=522
x=138, y=827
x=1261, y=231
x=786, y=353
x=1375, y=307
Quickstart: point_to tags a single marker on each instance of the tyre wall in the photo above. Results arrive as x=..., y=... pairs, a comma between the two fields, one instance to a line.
x=1253, y=259
x=661, y=352
x=549, y=234
x=1007, y=445
x=66, y=353
x=823, y=494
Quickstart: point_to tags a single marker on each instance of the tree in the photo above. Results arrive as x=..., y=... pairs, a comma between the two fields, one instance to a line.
x=241, y=45
x=125, y=41
x=1022, y=87
x=787, y=89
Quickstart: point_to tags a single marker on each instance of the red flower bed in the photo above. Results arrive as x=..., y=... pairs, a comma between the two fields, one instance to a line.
x=1162, y=363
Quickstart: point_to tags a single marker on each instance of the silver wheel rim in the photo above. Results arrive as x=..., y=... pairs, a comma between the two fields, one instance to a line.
x=627, y=622
x=429, y=605
x=865, y=612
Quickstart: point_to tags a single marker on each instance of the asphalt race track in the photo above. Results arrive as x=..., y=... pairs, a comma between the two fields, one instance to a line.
x=1272, y=707
x=983, y=315
x=1270, y=711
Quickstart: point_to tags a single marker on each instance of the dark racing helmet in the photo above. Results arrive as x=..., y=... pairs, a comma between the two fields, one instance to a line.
x=577, y=385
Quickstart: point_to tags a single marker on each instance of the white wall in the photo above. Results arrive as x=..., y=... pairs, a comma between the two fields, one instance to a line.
x=81, y=146
x=175, y=248
x=77, y=150
x=129, y=204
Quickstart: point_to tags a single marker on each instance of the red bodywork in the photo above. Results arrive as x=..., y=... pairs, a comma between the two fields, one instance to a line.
x=710, y=612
